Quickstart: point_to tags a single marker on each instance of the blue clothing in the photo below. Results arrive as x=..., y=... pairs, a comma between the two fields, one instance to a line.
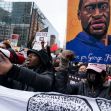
x=89, y=49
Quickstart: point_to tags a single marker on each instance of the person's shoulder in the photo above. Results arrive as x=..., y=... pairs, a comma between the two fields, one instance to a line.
x=109, y=37
x=76, y=39
x=72, y=42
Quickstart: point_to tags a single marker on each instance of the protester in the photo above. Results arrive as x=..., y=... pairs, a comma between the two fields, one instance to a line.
x=64, y=59
x=16, y=77
x=38, y=61
x=82, y=71
x=92, y=87
x=77, y=74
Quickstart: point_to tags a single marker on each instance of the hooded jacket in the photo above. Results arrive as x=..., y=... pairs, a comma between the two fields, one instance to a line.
x=36, y=79
x=45, y=64
x=89, y=49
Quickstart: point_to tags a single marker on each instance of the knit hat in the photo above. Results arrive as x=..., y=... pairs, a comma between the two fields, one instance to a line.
x=96, y=67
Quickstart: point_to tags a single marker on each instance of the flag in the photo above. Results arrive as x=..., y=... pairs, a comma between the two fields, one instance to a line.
x=54, y=47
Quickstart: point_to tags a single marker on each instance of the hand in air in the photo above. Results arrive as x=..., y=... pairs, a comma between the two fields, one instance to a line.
x=5, y=64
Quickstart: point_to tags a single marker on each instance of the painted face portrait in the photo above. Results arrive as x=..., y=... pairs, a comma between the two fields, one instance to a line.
x=88, y=30
x=95, y=17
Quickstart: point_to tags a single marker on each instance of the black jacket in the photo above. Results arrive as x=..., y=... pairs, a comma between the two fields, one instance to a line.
x=25, y=79
x=82, y=88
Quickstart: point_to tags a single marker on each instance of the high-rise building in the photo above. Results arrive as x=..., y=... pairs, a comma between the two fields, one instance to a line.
x=23, y=19
x=19, y=18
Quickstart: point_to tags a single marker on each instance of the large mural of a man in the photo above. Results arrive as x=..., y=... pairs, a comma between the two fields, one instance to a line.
x=92, y=44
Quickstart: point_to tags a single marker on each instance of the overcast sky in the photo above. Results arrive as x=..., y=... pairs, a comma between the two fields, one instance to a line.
x=56, y=12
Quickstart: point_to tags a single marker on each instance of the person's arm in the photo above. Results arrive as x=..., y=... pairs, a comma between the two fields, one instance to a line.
x=62, y=85
x=41, y=82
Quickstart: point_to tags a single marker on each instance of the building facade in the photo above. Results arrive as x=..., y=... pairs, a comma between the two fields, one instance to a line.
x=20, y=18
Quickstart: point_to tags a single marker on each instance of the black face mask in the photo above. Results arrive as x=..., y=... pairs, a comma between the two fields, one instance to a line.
x=82, y=75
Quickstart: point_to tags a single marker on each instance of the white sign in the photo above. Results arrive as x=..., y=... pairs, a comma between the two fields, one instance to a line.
x=39, y=39
x=14, y=39
x=16, y=100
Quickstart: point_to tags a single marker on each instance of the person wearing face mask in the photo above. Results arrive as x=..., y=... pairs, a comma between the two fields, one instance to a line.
x=78, y=74
x=93, y=44
x=92, y=87
x=82, y=71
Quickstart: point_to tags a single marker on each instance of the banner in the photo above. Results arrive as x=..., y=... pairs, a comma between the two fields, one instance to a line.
x=86, y=36
x=16, y=100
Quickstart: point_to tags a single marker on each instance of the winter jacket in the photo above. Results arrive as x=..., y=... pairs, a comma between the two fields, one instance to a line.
x=25, y=79
x=81, y=88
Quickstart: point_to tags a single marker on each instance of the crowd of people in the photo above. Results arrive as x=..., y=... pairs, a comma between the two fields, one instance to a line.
x=39, y=71
x=36, y=70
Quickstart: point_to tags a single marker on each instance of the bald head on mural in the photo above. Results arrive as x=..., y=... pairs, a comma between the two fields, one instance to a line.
x=94, y=16
x=93, y=43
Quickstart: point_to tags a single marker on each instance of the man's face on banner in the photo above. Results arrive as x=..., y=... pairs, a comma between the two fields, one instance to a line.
x=95, y=17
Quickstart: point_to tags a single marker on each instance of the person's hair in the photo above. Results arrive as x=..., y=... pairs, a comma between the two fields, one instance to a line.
x=80, y=5
x=7, y=44
x=83, y=64
x=103, y=73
